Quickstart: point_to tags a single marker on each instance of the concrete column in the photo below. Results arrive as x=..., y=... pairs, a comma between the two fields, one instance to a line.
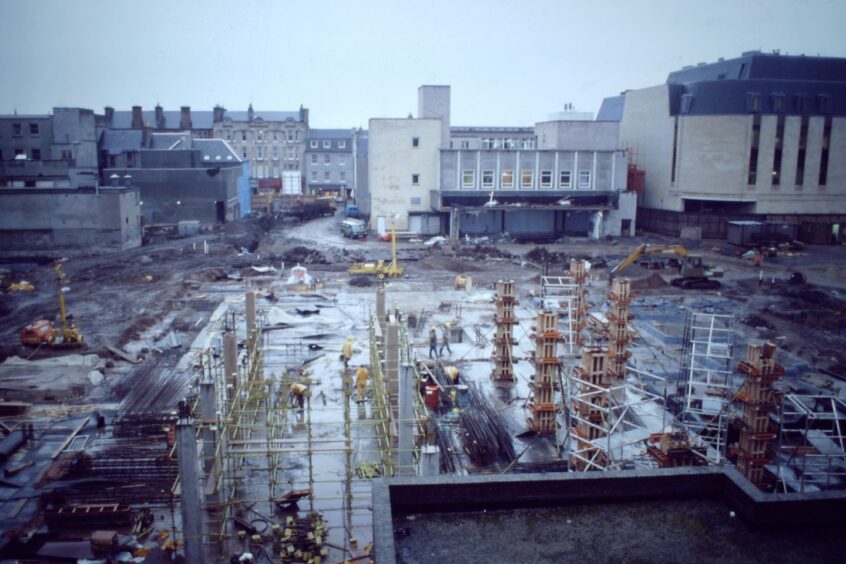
x=406, y=420
x=392, y=354
x=251, y=314
x=380, y=307
x=189, y=487
x=208, y=411
x=430, y=460
x=230, y=362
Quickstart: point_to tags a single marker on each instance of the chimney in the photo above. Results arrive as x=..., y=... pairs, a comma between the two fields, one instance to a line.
x=137, y=118
x=110, y=116
x=218, y=113
x=250, y=113
x=304, y=115
x=185, y=118
x=160, y=119
x=146, y=134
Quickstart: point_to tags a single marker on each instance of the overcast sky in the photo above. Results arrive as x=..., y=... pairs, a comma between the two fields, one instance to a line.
x=508, y=62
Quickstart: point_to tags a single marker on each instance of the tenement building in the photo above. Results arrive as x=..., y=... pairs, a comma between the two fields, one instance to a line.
x=330, y=162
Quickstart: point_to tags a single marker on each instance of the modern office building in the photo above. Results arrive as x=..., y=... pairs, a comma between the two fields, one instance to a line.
x=761, y=136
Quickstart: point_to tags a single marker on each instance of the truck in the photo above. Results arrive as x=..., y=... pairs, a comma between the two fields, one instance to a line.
x=354, y=229
x=351, y=211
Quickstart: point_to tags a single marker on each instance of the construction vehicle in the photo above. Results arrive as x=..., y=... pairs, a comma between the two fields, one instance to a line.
x=694, y=275
x=379, y=268
x=43, y=331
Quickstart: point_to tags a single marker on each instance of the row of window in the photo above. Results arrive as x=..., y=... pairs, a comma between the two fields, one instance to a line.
x=35, y=154
x=327, y=144
x=778, y=103
x=775, y=176
x=498, y=143
x=260, y=136
x=327, y=176
x=527, y=179
x=290, y=154
x=17, y=130
x=264, y=171
x=327, y=159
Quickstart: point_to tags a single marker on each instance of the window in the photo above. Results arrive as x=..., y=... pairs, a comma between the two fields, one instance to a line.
x=33, y=129
x=564, y=179
x=276, y=153
x=527, y=178
x=415, y=141
x=259, y=136
x=753, y=102
x=487, y=144
x=291, y=154
x=229, y=136
x=487, y=179
x=327, y=175
x=415, y=179
x=243, y=153
x=468, y=178
x=276, y=172
x=341, y=160
x=584, y=179
x=314, y=176
x=313, y=144
x=546, y=179
x=243, y=135
x=342, y=176
x=826, y=142
x=800, y=156
x=527, y=143
x=327, y=144
x=465, y=144
x=778, y=102
x=752, y=176
x=507, y=179
x=275, y=136
x=327, y=159
x=16, y=129
x=779, y=141
x=260, y=153
x=290, y=136
x=36, y=154
x=342, y=144
x=675, y=146
x=19, y=152
x=415, y=200
x=313, y=158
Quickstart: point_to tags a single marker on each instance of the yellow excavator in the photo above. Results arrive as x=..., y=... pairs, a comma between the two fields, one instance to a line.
x=379, y=267
x=694, y=275
x=43, y=332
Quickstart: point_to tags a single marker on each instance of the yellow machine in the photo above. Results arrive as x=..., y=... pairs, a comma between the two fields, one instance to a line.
x=379, y=268
x=43, y=332
x=71, y=337
x=694, y=275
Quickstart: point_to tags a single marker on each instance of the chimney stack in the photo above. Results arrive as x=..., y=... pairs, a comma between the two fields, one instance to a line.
x=250, y=113
x=218, y=113
x=185, y=118
x=137, y=118
x=160, y=119
x=110, y=116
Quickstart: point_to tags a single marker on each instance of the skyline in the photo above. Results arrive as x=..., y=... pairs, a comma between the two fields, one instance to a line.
x=348, y=62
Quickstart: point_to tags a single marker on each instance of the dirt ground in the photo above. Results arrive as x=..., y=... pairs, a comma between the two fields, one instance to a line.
x=116, y=297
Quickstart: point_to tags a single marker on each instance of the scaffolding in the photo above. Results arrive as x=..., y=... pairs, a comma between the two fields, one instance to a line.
x=812, y=443
x=542, y=402
x=559, y=294
x=759, y=400
x=707, y=377
x=505, y=320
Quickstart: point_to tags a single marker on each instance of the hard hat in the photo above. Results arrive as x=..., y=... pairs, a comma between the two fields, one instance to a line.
x=433, y=327
x=349, y=338
x=447, y=325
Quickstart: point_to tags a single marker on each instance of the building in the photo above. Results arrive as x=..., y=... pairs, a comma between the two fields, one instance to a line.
x=57, y=150
x=557, y=178
x=180, y=178
x=761, y=136
x=272, y=142
x=330, y=162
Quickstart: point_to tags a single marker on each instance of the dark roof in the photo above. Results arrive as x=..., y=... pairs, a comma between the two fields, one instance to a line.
x=491, y=129
x=115, y=142
x=170, y=141
x=266, y=116
x=216, y=150
x=330, y=134
x=200, y=119
x=611, y=109
x=800, y=85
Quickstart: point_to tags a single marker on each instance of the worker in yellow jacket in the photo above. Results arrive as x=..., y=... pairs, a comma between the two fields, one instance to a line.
x=296, y=394
x=347, y=351
x=361, y=376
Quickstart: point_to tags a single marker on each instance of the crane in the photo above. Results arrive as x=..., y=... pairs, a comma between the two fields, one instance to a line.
x=694, y=274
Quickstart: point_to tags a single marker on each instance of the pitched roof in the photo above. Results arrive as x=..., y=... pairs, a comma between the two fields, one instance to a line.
x=330, y=134
x=216, y=150
x=115, y=142
x=200, y=119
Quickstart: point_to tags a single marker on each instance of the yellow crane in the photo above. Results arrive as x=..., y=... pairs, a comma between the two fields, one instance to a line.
x=694, y=274
x=43, y=332
x=71, y=337
x=379, y=267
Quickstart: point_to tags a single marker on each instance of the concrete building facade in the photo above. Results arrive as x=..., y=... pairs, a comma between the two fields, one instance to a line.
x=58, y=150
x=762, y=136
x=330, y=162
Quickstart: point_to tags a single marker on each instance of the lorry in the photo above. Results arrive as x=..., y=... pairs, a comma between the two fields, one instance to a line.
x=354, y=229
x=351, y=211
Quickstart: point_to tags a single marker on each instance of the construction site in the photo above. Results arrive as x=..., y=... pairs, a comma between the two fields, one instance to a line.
x=279, y=393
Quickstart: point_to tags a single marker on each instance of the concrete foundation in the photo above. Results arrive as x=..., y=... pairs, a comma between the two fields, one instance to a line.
x=189, y=492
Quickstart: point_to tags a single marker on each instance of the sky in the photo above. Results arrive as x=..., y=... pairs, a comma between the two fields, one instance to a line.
x=509, y=63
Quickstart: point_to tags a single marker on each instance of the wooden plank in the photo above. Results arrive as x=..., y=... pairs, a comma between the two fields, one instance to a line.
x=65, y=444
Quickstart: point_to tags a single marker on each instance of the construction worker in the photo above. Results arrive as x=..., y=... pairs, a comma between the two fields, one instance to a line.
x=433, y=342
x=361, y=376
x=296, y=394
x=445, y=339
x=452, y=372
x=346, y=352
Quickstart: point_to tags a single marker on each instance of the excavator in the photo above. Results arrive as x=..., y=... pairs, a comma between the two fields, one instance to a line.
x=43, y=332
x=379, y=268
x=694, y=274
